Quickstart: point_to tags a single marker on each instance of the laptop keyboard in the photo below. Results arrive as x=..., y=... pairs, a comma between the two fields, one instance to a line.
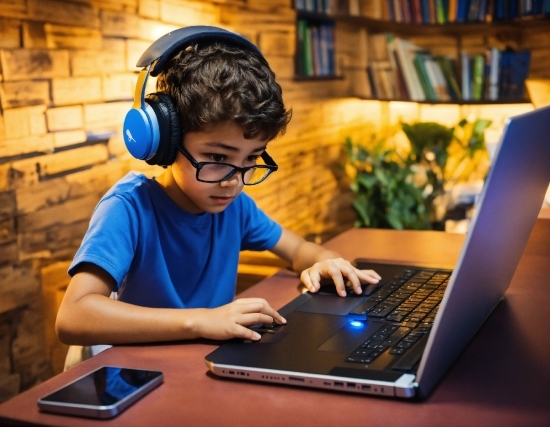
x=410, y=302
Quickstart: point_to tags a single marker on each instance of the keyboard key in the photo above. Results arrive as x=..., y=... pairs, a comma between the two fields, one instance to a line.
x=364, y=307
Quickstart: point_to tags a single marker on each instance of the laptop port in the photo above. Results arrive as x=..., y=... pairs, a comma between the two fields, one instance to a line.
x=365, y=387
x=338, y=384
x=351, y=385
x=300, y=380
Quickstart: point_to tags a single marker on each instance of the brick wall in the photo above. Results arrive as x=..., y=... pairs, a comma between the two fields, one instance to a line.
x=67, y=74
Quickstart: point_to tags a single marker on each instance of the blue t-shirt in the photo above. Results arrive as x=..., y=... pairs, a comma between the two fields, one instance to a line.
x=162, y=256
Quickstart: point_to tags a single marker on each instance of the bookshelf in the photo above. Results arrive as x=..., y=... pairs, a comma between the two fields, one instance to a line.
x=489, y=55
x=315, y=33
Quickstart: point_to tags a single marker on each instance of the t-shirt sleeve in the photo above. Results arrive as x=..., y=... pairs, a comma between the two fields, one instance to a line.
x=259, y=231
x=111, y=239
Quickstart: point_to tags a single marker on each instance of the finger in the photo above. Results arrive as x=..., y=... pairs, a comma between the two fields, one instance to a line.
x=350, y=272
x=254, y=319
x=335, y=273
x=246, y=333
x=313, y=277
x=355, y=283
x=306, y=280
x=261, y=306
x=369, y=276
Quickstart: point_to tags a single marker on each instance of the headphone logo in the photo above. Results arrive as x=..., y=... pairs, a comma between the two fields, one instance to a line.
x=129, y=135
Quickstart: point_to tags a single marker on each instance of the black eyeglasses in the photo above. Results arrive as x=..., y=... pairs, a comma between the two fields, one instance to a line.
x=213, y=172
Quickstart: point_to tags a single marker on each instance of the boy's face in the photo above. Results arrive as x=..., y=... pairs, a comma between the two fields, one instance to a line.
x=223, y=143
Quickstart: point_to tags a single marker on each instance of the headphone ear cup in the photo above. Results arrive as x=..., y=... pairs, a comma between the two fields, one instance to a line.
x=169, y=128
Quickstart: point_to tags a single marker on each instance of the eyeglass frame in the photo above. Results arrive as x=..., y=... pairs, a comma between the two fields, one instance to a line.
x=270, y=165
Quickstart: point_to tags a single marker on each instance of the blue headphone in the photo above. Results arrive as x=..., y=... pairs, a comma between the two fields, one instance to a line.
x=152, y=128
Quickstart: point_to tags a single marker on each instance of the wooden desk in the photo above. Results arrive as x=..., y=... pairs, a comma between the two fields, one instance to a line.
x=502, y=378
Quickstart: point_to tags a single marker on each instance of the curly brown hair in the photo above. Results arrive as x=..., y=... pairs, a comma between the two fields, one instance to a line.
x=215, y=83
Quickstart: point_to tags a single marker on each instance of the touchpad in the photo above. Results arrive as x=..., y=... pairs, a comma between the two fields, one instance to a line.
x=327, y=304
x=350, y=337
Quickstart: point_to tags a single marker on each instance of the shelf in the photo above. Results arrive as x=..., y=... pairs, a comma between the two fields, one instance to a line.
x=316, y=78
x=314, y=16
x=455, y=29
x=497, y=38
x=481, y=102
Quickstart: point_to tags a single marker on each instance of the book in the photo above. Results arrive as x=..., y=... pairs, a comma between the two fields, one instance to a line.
x=425, y=11
x=301, y=67
x=382, y=67
x=406, y=52
x=465, y=76
x=416, y=8
x=518, y=71
x=451, y=14
x=423, y=75
x=398, y=14
x=437, y=79
x=448, y=67
x=380, y=79
x=329, y=34
x=493, y=74
x=462, y=11
x=315, y=49
x=478, y=73
x=440, y=12
x=399, y=80
x=308, y=51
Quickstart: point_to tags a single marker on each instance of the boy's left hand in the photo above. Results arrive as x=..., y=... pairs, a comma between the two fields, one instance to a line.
x=340, y=271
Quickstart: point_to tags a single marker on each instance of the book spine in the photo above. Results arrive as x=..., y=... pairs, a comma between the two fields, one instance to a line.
x=462, y=11
x=416, y=11
x=424, y=78
x=465, y=77
x=494, y=69
x=441, y=18
x=405, y=52
x=451, y=14
x=478, y=73
x=316, y=50
x=441, y=85
x=372, y=83
x=425, y=11
x=300, y=54
x=308, y=52
x=398, y=68
x=447, y=66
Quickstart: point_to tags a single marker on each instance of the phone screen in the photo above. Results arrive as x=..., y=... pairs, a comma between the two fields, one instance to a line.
x=102, y=388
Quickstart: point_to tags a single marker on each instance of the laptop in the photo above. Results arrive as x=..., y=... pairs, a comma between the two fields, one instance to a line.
x=400, y=338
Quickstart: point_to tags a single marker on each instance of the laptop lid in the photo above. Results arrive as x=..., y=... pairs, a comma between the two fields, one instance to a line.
x=506, y=213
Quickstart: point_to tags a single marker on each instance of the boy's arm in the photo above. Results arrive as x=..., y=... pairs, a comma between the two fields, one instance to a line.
x=88, y=316
x=315, y=262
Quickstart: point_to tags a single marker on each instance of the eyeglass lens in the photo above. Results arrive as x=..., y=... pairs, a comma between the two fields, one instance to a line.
x=212, y=172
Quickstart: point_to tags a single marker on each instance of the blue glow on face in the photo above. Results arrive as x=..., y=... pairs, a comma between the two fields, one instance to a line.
x=356, y=324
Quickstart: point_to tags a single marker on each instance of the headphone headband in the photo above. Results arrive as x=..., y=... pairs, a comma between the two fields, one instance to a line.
x=170, y=43
x=152, y=129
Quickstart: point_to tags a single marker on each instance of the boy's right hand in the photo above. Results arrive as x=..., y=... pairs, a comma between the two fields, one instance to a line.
x=231, y=320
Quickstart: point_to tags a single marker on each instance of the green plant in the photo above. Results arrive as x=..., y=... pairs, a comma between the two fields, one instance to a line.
x=408, y=188
x=446, y=156
x=385, y=195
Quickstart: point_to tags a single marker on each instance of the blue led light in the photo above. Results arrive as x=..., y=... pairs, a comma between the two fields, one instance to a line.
x=356, y=324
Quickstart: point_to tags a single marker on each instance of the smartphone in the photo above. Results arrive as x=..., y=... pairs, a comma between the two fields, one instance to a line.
x=103, y=393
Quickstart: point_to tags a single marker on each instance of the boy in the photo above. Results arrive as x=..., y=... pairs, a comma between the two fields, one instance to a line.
x=169, y=246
